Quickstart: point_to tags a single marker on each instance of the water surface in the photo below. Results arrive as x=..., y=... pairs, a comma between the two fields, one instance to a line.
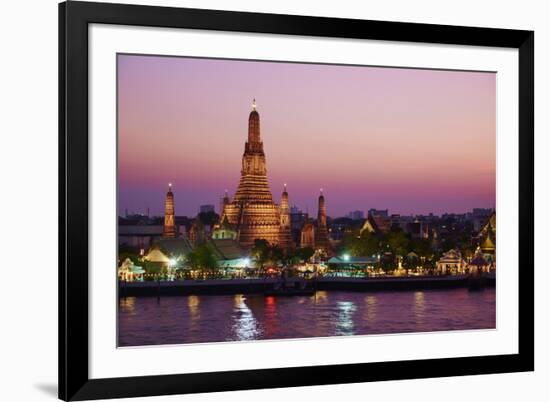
x=208, y=318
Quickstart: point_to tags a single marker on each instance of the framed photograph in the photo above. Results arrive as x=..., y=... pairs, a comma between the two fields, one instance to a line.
x=258, y=200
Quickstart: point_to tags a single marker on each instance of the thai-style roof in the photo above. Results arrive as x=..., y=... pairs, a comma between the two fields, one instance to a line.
x=412, y=254
x=176, y=247
x=128, y=266
x=377, y=224
x=227, y=249
x=452, y=255
x=488, y=244
x=156, y=255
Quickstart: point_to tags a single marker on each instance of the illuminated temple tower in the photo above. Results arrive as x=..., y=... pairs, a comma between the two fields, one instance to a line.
x=285, y=236
x=169, y=230
x=252, y=211
x=321, y=234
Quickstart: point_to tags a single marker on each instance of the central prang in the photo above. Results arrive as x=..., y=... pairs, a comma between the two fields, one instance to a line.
x=252, y=212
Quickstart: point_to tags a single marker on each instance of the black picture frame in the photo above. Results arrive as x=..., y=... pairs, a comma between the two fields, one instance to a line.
x=74, y=18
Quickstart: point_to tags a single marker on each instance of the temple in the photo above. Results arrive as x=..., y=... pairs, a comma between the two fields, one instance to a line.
x=285, y=234
x=321, y=234
x=169, y=230
x=251, y=213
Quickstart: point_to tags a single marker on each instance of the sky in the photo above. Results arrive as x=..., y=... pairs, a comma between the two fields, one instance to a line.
x=413, y=141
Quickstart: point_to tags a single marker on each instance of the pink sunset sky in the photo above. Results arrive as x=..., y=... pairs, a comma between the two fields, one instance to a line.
x=410, y=140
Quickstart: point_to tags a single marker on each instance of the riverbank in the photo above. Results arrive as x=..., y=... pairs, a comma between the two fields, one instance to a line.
x=255, y=286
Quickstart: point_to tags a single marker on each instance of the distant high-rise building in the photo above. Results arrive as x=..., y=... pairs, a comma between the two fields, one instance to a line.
x=169, y=230
x=356, y=215
x=204, y=209
x=378, y=212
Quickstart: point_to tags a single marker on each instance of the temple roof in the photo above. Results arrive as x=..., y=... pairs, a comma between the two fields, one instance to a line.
x=174, y=247
x=156, y=255
x=227, y=249
x=376, y=224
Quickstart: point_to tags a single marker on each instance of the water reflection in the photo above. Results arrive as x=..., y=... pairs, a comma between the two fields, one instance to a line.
x=215, y=318
x=370, y=308
x=270, y=316
x=127, y=304
x=320, y=297
x=345, y=324
x=245, y=326
x=193, y=306
x=419, y=307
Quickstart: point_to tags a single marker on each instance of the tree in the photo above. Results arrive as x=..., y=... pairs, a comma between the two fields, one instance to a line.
x=305, y=253
x=203, y=258
x=398, y=242
x=359, y=246
x=261, y=251
x=421, y=247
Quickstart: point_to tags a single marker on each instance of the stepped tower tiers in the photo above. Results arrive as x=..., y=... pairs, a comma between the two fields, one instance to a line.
x=285, y=236
x=252, y=211
x=321, y=234
x=169, y=230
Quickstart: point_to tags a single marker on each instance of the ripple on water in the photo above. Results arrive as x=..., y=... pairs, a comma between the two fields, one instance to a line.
x=192, y=319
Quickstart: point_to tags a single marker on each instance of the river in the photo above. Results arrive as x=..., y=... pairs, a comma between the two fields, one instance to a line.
x=208, y=318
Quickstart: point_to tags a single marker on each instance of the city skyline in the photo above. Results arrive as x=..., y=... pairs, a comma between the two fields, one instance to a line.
x=412, y=141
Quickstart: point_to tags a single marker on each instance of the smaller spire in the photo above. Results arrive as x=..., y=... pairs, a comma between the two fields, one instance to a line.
x=254, y=104
x=169, y=186
x=226, y=193
x=321, y=191
x=284, y=188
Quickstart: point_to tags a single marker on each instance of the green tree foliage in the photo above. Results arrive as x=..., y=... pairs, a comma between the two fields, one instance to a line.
x=364, y=245
x=422, y=247
x=398, y=242
x=203, y=258
x=261, y=252
x=265, y=253
x=304, y=254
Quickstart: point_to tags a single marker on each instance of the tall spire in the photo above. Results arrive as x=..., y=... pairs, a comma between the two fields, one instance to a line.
x=251, y=210
x=169, y=215
x=322, y=212
x=321, y=234
x=254, y=141
x=285, y=236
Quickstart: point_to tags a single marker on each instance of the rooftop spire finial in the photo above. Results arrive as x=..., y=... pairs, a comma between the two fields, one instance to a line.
x=321, y=191
x=169, y=186
x=254, y=104
x=284, y=185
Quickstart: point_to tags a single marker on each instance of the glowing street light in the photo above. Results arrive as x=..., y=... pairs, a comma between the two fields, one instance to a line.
x=346, y=257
